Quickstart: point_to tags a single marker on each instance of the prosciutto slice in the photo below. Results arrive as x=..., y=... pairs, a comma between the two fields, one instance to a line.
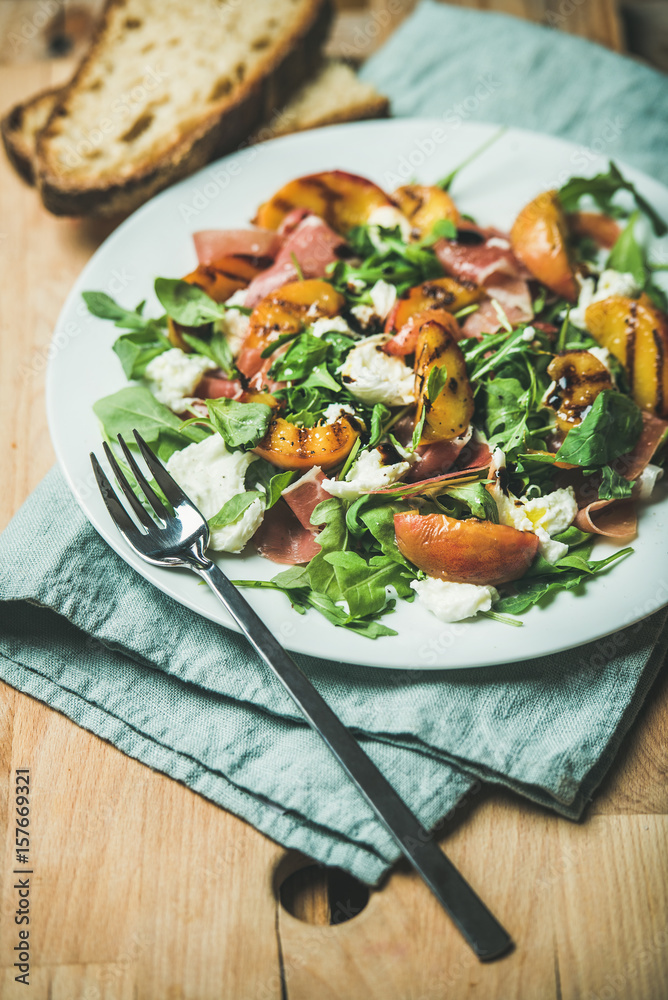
x=303, y=496
x=283, y=539
x=493, y=265
x=312, y=244
x=436, y=459
x=611, y=518
x=213, y=245
x=473, y=457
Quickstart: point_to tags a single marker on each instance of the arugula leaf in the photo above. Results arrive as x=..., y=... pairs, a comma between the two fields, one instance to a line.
x=613, y=485
x=610, y=429
x=304, y=353
x=533, y=591
x=137, y=349
x=363, y=584
x=379, y=519
x=626, y=255
x=263, y=473
x=217, y=348
x=443, y=229
x=506, y=418
x=103, y=306
x=187, y=304
x=379, y=415
x=417, y=430
x=332, y=538
x=241, y=425
x=603, y=188
x=438, y=376
x=446, y=182
x=232, y=510
x=479, y=500
x=135, y=408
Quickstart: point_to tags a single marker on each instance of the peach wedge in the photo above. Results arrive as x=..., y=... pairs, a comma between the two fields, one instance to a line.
x=539, y=241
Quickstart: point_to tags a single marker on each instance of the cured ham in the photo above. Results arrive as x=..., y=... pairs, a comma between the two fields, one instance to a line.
x=217, y=386
x=303, y=496
x=611, y=518
x=283, y=539
x=310, y=247
x=214, y=245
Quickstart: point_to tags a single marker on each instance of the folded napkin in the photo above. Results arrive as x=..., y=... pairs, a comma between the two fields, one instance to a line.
x=82, y=632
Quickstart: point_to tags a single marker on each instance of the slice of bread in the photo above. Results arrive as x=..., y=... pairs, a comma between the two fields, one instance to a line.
x=20, y=127
x=165, y=88
x=334, y=94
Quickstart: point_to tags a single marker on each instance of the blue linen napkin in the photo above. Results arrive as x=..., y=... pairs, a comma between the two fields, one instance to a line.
x=81, y=631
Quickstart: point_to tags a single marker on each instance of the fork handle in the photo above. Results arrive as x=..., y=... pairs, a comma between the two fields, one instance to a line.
x=483, y=932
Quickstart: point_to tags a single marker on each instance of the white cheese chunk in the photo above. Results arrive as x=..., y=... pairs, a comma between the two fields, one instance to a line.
x=647, y=480
x=543, y=516
x=387, y=217
x=375, y=377
x=366, y=474
x=610, y=282
x=383, y=295
x=451, y=602
x=234, y=324
x=328, y=323
x=174, y=375
x=211, y=475
x=334, y=411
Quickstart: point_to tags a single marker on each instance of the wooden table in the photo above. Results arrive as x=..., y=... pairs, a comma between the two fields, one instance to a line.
x=142, y=889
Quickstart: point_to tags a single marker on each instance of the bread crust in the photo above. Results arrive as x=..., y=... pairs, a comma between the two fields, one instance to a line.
x=220, y=131
x=21, y=154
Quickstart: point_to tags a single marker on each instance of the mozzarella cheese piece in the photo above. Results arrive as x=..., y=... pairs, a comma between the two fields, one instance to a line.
x=387, y=217
x=211, y=475
x=383, y=295
x=367, y=473
x=544, y=516
x=334, y=411
x=174, y=376
x=375, y=377
x=328, y=323
x=234, y=324
x=647, y=480
x=610, y=282
x=451, y=602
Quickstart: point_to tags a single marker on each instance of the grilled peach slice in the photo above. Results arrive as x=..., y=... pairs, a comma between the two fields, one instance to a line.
x=579, y=377
x=464, y=551
x=598, y=227
x=343, y=200
x=439, y=294
x=300, y=448
x=219, y=282
x=424, y=205
x=449, y=414
x=636, y=332
x=539, y=240
x=287, y=310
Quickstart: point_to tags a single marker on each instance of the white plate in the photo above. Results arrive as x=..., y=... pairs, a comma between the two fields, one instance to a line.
x=156, y=241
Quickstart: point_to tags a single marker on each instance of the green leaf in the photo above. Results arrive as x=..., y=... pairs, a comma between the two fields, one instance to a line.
x=443, y=229
x=233, y=509
x=263, y=473
x=187, y=304
x=479, y=500
x=216, y=348
x=603, y=188
x=417, y=430
x=135, y=408
x=363, y=584
x=627, y=256
x=332, y=538
x=446, y=182
x=241, y=425
x=610, y=429
x=104, y=307
x=136, y=349
x=379, y=519
x=613, y=486
x=379, y=416
x=438, y=376
x=506, y=418
x=304, y=353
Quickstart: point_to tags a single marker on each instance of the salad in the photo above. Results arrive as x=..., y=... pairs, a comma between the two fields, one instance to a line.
x=397, y=402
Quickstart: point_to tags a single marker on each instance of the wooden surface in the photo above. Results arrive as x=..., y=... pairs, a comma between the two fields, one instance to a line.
x=142, y=889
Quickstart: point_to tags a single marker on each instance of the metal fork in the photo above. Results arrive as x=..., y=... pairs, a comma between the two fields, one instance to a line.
x=179, y=539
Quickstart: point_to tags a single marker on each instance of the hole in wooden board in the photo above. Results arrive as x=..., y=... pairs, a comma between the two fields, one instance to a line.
x=322, y=896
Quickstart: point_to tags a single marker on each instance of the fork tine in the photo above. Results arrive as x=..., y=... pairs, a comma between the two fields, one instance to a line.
x=119, y=515
x=152, y=497
x=130, y=495
x=169, y=486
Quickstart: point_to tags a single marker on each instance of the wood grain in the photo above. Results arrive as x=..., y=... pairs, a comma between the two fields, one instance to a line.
x=142, y=889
